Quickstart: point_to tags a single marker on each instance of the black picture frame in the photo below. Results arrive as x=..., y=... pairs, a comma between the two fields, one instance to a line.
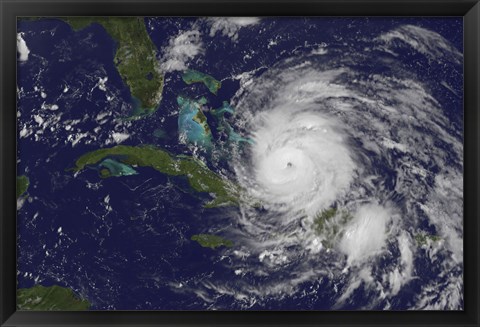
x=469, y=9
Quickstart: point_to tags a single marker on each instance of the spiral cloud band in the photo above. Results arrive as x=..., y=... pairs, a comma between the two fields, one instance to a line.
x=300, y=159
x=379, y=148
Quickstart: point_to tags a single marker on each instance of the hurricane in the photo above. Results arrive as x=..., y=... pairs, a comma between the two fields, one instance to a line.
x=353, y=160
x=300, y=159
x=290, y=163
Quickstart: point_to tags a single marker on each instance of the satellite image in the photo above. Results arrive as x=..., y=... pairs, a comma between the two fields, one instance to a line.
x=240, y=163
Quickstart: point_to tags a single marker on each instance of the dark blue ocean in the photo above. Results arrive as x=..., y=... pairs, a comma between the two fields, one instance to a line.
x=124, y=243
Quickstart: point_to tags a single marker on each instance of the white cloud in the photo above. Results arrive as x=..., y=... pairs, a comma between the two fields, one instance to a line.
x=363, y=276
x=76, y=138
x=429, y=43
x=120, y=137
x=366, y=235
x=319, y=51
x=52, y=107
x=399, y=277
x=229, y=26
x=182, y=48
x=442, y=295
x=22, y=48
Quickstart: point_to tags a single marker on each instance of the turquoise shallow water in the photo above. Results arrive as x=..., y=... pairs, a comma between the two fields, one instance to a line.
x=188, y=127
x=125, y=241
x=117, y=168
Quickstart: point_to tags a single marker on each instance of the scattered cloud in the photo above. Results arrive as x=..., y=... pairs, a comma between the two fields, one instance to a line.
x=429, y=43
x=182, y=48
x=229, y=26
x=120, y=137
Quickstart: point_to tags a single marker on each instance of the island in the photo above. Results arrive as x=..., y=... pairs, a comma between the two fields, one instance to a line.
x=321, y=218
x=22, y=185
x=53, y=298
x=423, y=238
x=211, y=241
x=224, y=126
x=234, y=136
x=219, y=113
x=331, y=231
x=191, y=76
x=199, y=176
x=135, y=59
x=192, y=122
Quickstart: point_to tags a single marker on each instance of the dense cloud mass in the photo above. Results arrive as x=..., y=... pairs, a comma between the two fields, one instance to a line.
x=320, y=165
x=378, y=146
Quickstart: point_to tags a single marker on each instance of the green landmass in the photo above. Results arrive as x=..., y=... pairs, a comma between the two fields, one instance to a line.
x=322, y=217
x=52, y=298
x=135, y=58
x=105, y=173
x=191, y=76
x=191, y=110
x=201, y=119
x=200, y=178
x=422, y=238
x=331, y=231
x=22, y=185
x=211, y=241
